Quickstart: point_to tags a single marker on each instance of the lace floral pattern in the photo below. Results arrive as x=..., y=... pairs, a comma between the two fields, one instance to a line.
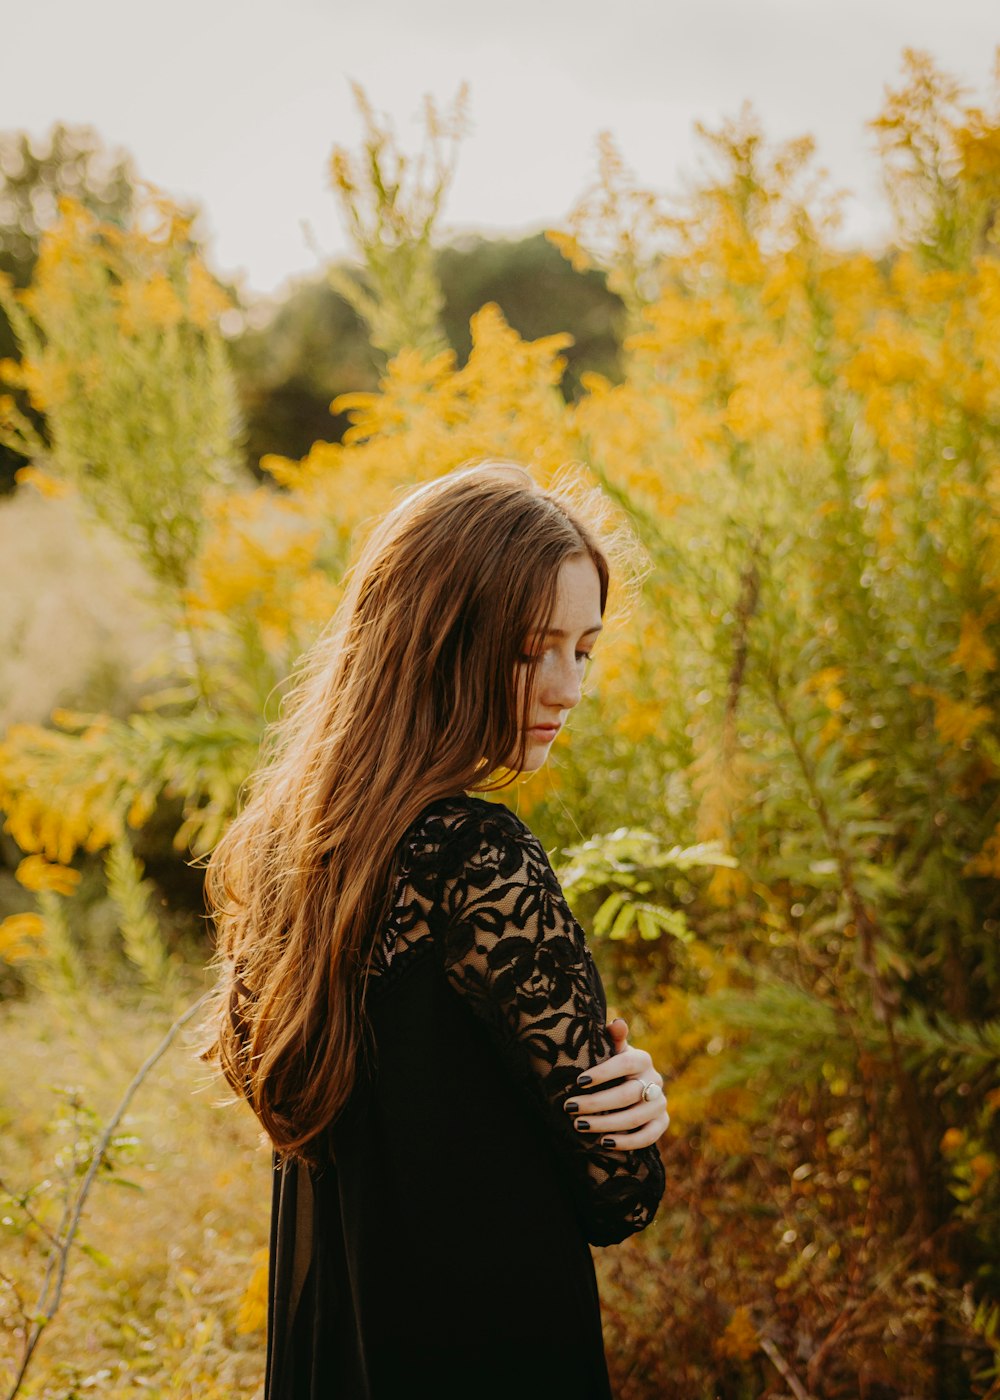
x=476, y=890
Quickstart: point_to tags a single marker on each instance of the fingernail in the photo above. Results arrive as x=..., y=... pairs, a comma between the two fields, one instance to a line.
x=582, y=1123
x=583, y=1079
x=572, y=1108
x=607, y=1142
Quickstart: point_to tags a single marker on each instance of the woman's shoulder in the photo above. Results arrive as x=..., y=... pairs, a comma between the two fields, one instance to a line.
x=464, y=814
x=459, y=829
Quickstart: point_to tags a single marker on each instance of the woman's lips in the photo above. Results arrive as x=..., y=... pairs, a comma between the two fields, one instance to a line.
x=545, y=731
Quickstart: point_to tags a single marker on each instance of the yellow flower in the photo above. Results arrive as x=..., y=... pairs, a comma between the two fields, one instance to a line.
x=36, y=873
x=252, y=1314
x=19, y=937
x=982, y=1166
x=956, y=720
x=141, y=809
x=571, y=249
x=44, y=483
x=739, y=1340
x=973, y=653
x=406, y=392
x=206, y=300
x=34, y=377
x=153, y=303
x=952, y=1140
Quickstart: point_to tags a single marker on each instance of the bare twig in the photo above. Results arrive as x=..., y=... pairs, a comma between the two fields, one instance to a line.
x=784, y=1370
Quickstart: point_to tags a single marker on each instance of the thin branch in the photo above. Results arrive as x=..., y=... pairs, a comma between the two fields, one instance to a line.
x=784, y=1370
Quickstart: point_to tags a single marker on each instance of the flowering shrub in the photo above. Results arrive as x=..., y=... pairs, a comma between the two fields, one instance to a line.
x=806, y=438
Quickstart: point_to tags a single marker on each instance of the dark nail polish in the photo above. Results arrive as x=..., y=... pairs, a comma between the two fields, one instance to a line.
x=607, y=1142
x=572, y=1108
x=582, y=1123
x=583, y=1079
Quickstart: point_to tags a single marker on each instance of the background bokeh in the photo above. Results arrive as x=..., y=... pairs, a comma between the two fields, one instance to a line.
x=777, y=811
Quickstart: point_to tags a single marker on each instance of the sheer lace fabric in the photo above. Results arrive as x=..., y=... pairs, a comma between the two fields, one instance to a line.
x=476, y=891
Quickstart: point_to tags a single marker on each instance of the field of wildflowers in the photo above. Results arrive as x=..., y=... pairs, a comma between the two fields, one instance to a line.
x=778, y=810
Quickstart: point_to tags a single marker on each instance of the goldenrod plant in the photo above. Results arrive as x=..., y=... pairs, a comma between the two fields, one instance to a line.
x=779, y=802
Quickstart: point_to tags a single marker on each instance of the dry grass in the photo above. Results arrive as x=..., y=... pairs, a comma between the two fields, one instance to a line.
x=160, y=1315
x=171, y=1306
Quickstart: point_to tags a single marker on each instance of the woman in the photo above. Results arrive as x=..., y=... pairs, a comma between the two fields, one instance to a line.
x=406, y=1002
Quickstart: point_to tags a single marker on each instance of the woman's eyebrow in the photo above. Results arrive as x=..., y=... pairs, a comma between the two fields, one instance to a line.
x=558, y=632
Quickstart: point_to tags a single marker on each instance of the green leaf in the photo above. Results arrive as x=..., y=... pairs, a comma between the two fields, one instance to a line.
x=623, y=919
x=605, y=916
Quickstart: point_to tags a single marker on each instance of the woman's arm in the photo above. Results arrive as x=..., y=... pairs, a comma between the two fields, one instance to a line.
x=513, y=951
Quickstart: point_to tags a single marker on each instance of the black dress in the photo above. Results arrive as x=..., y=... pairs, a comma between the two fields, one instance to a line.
x=444, y=1251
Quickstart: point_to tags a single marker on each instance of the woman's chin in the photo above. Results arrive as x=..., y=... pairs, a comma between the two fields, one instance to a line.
x=535, y=757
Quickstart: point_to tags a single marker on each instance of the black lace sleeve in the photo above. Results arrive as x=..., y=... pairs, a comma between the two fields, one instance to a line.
x=513, y=950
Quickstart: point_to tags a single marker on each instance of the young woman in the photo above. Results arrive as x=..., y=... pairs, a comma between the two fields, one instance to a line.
x=406, y=1001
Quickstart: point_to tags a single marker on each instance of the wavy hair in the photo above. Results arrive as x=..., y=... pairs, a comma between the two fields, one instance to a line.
x=409, y=694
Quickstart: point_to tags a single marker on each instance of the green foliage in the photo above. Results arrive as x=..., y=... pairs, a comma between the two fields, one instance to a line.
x=791, y=743
x=140, y=929
x=391, y=204
x=631, y=865
x=35, y=173
x=40, y=1218
x=142, y=435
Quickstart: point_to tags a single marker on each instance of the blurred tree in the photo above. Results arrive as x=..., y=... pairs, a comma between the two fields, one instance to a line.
x=311, y=347
x=540, y=294
x=33, y=175
x=315, y=346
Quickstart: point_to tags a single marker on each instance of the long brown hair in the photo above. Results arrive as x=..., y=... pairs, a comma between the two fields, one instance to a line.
x=409, y=694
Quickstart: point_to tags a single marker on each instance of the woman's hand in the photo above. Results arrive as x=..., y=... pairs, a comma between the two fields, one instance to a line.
x=620, y=1114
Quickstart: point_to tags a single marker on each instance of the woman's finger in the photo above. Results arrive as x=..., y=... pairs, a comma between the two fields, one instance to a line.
x=640, y=1137
x=621, y=1121
x=632, y=1061
x=624, y=1095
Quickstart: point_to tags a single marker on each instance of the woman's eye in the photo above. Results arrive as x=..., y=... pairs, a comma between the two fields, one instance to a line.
x=528, y=659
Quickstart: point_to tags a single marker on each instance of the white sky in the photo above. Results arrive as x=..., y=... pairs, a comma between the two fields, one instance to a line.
x=238, y=103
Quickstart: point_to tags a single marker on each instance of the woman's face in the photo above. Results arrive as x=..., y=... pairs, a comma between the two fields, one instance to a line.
x=562, y=655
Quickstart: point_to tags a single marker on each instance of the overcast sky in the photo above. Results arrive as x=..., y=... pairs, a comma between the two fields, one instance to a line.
x=237, y=103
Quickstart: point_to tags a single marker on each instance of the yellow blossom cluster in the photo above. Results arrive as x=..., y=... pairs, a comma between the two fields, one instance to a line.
x=259, y=563
x=62, y=793
x=106, y=306
x=767, y=379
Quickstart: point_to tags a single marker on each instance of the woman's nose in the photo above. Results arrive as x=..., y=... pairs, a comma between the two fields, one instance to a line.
x=564, y=685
